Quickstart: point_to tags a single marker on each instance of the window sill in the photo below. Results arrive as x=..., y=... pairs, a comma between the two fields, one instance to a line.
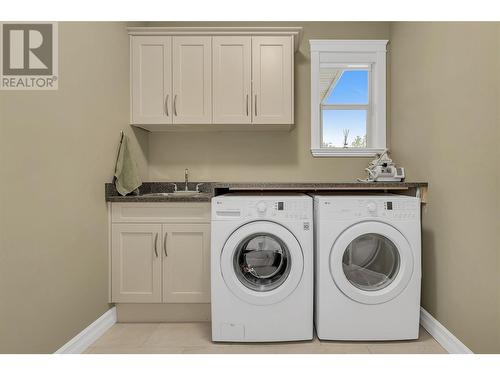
x=343, y=152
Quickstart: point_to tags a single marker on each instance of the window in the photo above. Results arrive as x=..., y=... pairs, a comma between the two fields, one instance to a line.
x=345, y=107
x=348, y=96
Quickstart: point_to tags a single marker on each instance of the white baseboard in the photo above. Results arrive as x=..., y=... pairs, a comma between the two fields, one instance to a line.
x=444, y=337
x=85, y=338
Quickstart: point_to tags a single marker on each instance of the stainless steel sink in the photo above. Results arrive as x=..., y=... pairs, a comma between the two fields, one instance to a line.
x=156, y=195
x=181, y=193
x=185, y=193
x=177, y=194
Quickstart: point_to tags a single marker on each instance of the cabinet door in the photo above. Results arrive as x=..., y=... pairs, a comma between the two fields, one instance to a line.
x=151, y=71
x=136, y=263
x=186, y=263
x=272, y=74
x=231, y=57
x=192, y=80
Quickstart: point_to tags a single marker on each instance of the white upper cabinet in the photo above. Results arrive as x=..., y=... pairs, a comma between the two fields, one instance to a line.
x=272, y=71
x=151, y=68
x=192, y=81
x=232, y=79
x=213, y=78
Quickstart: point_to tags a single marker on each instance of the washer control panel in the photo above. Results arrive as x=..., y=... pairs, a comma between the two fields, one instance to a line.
x=279, y=209
x=265, y=208
x=394, y=209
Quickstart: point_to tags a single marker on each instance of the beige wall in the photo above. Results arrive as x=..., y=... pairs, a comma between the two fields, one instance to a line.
x=445, y=129
x=56, y=151
x=252, y=156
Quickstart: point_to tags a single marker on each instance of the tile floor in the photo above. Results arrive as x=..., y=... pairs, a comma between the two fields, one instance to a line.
x=194, y=338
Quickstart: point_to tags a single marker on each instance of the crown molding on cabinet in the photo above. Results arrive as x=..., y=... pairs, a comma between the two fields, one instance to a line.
x=296, y=32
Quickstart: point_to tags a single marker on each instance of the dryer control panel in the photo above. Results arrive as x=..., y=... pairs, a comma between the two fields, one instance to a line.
x=348, y=208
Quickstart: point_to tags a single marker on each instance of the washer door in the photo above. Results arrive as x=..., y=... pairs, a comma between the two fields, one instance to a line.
x=262, y=262
x=371, y=262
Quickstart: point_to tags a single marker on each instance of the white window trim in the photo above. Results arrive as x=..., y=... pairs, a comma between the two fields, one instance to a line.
x=331, y=52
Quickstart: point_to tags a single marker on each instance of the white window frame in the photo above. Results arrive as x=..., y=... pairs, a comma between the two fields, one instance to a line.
x=351, y=53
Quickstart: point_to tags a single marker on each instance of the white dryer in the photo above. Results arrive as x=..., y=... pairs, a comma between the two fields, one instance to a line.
x=368, y=267
x=262, y=267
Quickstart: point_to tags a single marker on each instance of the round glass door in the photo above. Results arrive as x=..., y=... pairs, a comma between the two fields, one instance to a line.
x=371, y=262
x=262, y=262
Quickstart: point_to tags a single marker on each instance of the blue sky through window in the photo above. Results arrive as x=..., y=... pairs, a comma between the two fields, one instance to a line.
x=351, y=88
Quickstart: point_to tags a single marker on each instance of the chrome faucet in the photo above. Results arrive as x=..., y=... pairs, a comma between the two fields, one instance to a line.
x=186, y=182
x=186, y=179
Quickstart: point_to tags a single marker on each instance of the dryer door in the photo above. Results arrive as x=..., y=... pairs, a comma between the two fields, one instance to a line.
x=262, y=262
x=371, y=262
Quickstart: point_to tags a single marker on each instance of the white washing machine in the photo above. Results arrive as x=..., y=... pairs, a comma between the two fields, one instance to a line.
x=368, y=268
x=262, y=267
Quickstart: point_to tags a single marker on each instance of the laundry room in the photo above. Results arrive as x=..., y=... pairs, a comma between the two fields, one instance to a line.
x=182, y=185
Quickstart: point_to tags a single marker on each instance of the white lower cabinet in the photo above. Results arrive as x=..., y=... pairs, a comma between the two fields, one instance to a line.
x=167, y=260
x=136, y=263
x=186, y=265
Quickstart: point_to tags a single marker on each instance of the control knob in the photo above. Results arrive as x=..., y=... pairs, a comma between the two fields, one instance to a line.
x=372, y=207
x=261, y=207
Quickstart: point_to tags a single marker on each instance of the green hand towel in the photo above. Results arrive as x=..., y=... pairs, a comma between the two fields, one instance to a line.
x=127, y=179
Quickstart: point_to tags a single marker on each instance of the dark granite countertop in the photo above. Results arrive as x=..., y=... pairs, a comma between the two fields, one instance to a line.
x=313, y=186
x=206, y=190
x=210, y=189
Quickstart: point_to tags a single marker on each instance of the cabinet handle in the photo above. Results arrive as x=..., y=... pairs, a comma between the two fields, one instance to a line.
x=166, y=105
x=255, y=104
x=175, y=105
x=247, y=104
x=165, y=245
x=156, y=244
